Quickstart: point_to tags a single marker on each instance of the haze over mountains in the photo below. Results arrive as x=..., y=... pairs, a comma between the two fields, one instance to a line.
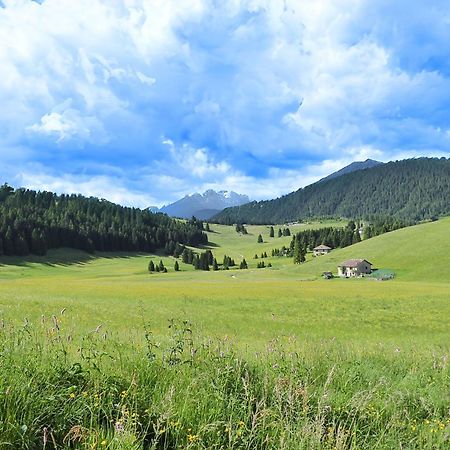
x=203, y=206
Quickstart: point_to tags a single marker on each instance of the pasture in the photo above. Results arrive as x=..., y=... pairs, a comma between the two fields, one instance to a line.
x=261, y=358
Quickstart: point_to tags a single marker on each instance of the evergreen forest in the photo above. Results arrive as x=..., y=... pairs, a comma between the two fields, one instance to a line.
x=33, y=222
x=412, y=189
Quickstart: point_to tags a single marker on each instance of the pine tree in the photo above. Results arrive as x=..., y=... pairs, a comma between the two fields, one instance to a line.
x=260, y=239
x=207, y=227
x=21, y=246
x=272, y=232
x=161, y=266
x=297, y=252
x=280, y=233
x=38, y=245
x=8, y=243
x=243, y=264
x=176, y=266
x=215, y=265
x=151, y=266
x=196, y=262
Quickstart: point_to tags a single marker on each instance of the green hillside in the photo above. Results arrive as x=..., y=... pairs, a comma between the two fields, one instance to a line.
x=412, y=189
x=421, y=252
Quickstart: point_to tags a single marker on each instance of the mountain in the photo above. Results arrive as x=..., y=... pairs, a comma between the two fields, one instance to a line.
x=203, y=206
x=353, y=167
x=411, y=189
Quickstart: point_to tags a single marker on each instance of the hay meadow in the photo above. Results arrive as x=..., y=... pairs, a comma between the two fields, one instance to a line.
x=95, y=352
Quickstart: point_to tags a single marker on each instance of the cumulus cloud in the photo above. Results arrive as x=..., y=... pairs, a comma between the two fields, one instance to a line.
x=252, y=95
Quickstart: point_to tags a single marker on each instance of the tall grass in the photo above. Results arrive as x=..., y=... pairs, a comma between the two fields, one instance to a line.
x=93, y=391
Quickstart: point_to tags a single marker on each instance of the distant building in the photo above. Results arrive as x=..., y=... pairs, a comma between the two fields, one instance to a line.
x=354, y=268
x=321, y=250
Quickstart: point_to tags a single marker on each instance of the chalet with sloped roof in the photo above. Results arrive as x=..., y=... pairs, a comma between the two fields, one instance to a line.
x=354, y=268
x=321, y=250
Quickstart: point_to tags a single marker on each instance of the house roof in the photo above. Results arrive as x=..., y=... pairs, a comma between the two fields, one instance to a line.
x=322, y=247
x=353, y=263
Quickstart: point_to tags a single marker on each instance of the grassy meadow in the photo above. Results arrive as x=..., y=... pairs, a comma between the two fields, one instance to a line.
x=95, y=352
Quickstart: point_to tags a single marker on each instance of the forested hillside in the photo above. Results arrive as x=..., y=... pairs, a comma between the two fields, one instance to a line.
x=412, y=189
x=32, y=222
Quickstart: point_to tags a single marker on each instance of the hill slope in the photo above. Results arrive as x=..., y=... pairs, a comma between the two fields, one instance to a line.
x=412, y=189
x=420, y=252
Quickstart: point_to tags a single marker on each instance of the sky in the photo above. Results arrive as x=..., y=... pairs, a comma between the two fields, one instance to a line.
x=143, y=101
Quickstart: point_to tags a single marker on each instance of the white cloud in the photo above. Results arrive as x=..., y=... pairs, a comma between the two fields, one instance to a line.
x=68, y=125
x=194, y=161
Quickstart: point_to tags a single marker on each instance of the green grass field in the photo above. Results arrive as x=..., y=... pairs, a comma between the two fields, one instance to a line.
x=364, y=362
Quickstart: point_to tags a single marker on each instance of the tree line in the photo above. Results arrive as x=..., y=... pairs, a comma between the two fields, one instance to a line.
x=33, y=222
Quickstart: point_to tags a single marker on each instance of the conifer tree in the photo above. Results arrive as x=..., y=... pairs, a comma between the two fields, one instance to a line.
x=297, y=252
x=176, y=266
x=161, y=266
x=215, y=265
x=196, y=262
x=280, y=233
x=151, y=266
x=260, y=239
x=272, y=232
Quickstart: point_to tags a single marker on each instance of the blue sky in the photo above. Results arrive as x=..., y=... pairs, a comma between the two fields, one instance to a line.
x=142, y=102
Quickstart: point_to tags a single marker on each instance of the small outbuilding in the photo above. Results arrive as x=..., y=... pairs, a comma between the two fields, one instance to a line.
x=321, y=250
x=354, y=268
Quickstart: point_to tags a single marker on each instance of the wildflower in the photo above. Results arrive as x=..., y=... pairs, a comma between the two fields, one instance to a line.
x=104, y=443
x=119, y=426
x=239, y=433
x=72, y=395
x=192, y=437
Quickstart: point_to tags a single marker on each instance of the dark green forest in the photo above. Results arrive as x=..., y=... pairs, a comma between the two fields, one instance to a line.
x=412, y=190
x=33, y=222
